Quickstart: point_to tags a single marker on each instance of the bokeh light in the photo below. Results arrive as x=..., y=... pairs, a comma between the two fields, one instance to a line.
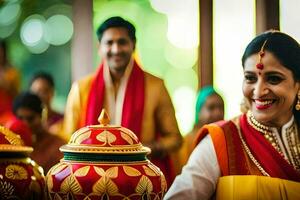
x=9, y=13
x=32, y=34
x=6, y=31
x=176, y=78
x=151, y=46
x=289, y=17
x=181, y=58
x=183, y=31
x=58, y=30
x=39, y=48
x=183, y=21
x=184, y=102
x=32, y=30
x=165, y=6
x=228, y=49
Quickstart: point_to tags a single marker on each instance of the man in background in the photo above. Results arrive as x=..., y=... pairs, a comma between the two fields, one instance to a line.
x=133, y=98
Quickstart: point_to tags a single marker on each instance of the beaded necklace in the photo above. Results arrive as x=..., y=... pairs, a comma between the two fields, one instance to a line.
x=265, y=131
x=249, y=153
x=292, y=140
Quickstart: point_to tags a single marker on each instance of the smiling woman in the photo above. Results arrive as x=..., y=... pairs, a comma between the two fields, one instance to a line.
x=266, y=90
x=262, y=142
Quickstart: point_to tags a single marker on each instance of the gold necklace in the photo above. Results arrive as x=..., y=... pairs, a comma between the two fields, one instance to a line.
x=264, y=130
x=248, y=151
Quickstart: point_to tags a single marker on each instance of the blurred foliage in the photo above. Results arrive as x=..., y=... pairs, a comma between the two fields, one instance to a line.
x=56, y=60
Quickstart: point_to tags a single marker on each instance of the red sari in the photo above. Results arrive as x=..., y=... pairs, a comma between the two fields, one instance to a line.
x=133, y=109
x=233, y=157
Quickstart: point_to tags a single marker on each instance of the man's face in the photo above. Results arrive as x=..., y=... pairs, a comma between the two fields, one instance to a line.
x=116, y=48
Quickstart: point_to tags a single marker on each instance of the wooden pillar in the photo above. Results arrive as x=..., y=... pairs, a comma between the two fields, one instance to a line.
x=267, y=15
x=82, y=43
x=205, y=58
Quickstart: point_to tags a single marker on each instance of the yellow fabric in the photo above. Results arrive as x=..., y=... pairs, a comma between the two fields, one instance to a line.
x=76, y=105
x=256, y=188
x=159, y=114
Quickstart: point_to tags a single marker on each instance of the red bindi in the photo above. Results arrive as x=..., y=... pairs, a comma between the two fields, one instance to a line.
x=260, y=66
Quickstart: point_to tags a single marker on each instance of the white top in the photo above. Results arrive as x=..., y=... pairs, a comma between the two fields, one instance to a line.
x=114, y=100
x=199, y=176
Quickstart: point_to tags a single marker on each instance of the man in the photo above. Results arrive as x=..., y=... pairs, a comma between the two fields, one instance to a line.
x=133, y=98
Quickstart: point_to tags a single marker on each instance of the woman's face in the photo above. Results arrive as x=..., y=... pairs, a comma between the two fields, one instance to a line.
x=271, y=91
x=30, y=118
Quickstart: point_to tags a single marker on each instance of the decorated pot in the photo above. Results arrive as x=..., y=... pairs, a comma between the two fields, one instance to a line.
x=20, y=177
x=105, y=162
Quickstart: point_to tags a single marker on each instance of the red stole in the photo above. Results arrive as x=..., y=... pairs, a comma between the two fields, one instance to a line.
x=231, y=154
x=228, y=147
x=133, y=109
x=271, y=161
x=133, y=105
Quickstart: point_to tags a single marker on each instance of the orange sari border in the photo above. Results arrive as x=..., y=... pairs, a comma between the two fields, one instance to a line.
x=219, y=142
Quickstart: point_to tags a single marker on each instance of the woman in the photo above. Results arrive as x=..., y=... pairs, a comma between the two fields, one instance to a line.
x=42, y=84
x=209, y=108
x=263, y=142
x=28, y=108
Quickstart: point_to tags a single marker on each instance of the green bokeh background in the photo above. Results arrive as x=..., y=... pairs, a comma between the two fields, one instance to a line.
x=177, y=66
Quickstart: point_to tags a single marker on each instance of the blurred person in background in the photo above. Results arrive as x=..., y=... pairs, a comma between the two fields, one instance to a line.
x=42, y=84
x=28, y=107
x=209, y=108
x=9, y=84
x=21, y=128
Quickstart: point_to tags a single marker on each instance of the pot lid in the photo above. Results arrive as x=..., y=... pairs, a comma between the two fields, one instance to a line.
x=12, y=142
x=104, y=139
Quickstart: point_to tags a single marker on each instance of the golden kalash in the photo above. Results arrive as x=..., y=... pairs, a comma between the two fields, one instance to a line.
x=105, y=162
x=20, y=176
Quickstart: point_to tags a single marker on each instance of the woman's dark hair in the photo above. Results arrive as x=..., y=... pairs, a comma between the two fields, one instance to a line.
x=28, y=100
x=45, y=76
x=114, y=22
x=285, y=48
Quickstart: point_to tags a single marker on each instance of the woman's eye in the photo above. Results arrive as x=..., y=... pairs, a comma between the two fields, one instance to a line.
x=250, y=78
x=274, y=79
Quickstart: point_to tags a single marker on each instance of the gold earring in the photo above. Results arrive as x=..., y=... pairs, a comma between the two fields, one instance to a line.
x=298, y=102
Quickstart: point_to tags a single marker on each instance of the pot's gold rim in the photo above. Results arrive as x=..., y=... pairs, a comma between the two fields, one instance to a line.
x=101, y=163
x=104, y=150
x=14, y=148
